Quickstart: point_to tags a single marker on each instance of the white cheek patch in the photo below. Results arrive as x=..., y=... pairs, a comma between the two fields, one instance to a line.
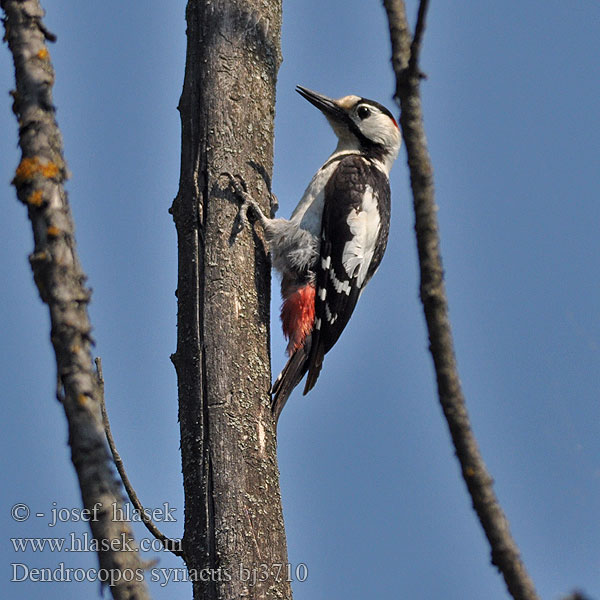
x=380, y=129
x=364, y=225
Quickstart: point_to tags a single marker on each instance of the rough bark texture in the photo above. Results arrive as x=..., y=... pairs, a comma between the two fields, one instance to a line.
x=405, y=58
x=233, y=519
x=60, y=280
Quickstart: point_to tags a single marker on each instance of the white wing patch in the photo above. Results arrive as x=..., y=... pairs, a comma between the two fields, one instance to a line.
x=364, y=225
x=340, y=286
x=331, y=318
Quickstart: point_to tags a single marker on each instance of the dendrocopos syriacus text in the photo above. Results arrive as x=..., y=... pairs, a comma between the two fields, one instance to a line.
x=334, y=241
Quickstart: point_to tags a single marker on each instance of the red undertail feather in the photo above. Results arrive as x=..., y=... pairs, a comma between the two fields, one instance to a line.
x=298, y=316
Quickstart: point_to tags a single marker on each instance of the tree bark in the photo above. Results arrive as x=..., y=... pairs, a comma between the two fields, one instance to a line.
x=233, y=519
x=39, y=181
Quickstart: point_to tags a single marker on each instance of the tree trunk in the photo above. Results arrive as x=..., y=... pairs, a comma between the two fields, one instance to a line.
x=234, y=532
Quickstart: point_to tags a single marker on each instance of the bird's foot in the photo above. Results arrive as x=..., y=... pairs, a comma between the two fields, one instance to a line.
x=274, y=204
x=240, y=188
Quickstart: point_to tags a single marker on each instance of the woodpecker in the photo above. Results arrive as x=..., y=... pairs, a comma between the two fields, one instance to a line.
x=334, y=241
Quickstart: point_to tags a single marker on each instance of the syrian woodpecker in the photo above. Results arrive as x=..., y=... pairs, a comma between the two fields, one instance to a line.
x=334, y=241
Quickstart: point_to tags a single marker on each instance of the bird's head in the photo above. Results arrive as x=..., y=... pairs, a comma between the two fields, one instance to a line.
x=360, y=125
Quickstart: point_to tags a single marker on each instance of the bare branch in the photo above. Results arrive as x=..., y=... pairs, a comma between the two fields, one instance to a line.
x=505, y=554
x=170, y=544
x=39, y=181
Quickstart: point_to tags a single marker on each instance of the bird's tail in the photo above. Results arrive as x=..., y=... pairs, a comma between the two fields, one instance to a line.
x=290, y=377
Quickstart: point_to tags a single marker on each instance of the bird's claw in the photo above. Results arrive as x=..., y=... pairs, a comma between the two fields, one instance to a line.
x=274, y=204
x=240, y=188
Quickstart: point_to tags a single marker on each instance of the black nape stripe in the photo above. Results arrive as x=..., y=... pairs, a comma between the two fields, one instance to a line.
x=370, y=148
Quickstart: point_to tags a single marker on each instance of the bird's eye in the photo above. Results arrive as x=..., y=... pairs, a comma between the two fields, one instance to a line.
x=363, y=112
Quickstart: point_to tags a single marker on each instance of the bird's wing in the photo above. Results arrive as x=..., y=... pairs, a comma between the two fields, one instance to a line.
x=354, y=233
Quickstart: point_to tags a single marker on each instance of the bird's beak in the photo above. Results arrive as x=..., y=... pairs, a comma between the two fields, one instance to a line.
x=328, y=106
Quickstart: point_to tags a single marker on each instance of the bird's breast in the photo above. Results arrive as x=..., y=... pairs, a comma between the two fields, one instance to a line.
x=309, y=212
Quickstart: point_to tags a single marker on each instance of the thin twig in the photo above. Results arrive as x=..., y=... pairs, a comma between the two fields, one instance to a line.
x=505, y=553
x=170, y=544
x=415, y=46
x=577, y=595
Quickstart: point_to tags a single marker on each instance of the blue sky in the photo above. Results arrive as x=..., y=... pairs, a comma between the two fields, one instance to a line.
x=373, y=501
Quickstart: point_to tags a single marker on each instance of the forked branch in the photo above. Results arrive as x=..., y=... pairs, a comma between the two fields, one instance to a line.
x=405, y=61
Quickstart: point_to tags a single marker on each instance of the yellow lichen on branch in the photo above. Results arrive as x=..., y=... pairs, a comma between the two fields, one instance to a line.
x=30, y=167
x=36, y=198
